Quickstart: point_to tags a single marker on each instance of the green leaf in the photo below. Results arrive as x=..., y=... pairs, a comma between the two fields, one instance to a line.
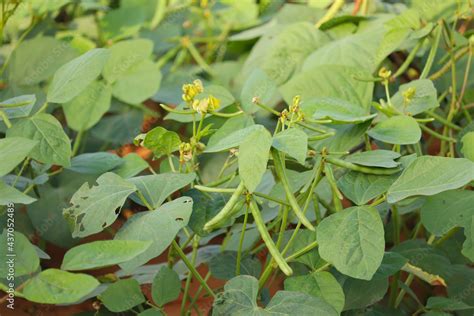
x=361, y=293
x=124, y=55
x=35, y=60
x=122, y=295
x=337, y=110
x=467, y=148
x=311, y=259
x=392, y=263
x=353, y=241
x=53, y=286
x=72, y=78
x=326, y=81
x=102, y=253
x=156, y=188
x=161, y=141
x=254, y=152
x=318, y=284
x=223, y=265
x=230, y=126
x=25, y=259
x=234, y=139
x=87, y=108
x=139, y=83
x=95, y=163
x=259, y=86
x=170, y=218
x=240, y=298
x=9, y=195
x=424, y=98
x=360, y=188
x=166, y=286
x=53, y=144
x=375, y=158
x=205, y=207
x=437, y=220
x=132, y=165
x=292, y=141
x=18, y=107
x=400, y=130
x=428, y=175
x=468, y=245
x=445, y=303
x=12, y=151
x=95, y=208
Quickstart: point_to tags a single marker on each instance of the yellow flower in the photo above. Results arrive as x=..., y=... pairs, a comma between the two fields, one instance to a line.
x=295, y=106
x=185, y=152
x=214, y=103
x=384, y=73
x=191, y=90
x=201, y=106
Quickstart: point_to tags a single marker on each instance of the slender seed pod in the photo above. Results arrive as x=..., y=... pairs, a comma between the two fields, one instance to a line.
x=363, y=169
x=289, y=194
x=267, y=239
x=226, y=211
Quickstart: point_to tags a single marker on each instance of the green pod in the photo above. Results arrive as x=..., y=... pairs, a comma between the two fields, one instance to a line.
x=289, y=194
x=226, y=211
x=267, y=239
x=348, y=165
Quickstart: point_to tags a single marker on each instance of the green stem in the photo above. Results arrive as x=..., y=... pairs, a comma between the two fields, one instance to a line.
x=268, y=109
x=436, y=134
x=169, y=109
x=5, y=118
x=191, y=268
x=220, y=114
x=223, y=215
x=267, y=239
x=214, y=190
x=279, y=168
x=331, y=12
x=77, y=143
x=302, y=251
x=271, y=198
x=189, y=277
x=144, y=200
x=409, y=59
x=442, y=120
x=198, y=58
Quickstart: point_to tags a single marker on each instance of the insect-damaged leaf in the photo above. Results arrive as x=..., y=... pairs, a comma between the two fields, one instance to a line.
x=95, y=208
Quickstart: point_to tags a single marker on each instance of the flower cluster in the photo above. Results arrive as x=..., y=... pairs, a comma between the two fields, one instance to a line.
x=204, y=105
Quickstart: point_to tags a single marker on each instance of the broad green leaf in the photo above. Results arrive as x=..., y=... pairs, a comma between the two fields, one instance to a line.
x=318, y=284
x=254, y=152
x=234, y=139
x=337, y=110
x=230, y=126
x=161, y=141
x=435, y=217
x=17, y=107
x=428, y=175
x=424, y=97
x=467, y=148
x=240, y=298
x=86, y=109
x=95, y=208
x=12, y=151
x=400, y=130
x=360, y=188
x=392, y=262
x=53, y=146
x=132, y=165
x=119, y=129
x=17, y=251
x=151, y=312
x=281, y=51
x=35, y=60
x=9, y=195
x=122, y=23
x=375, y=158
x=95, y=163
x=293, y=142
x=72, y=78
x=259, y=86
x=362, y=293
x=311, y=259
x=169, y=218
x=102, y=253
x=444, y=303
x=156, y=188
x=356, y=50
x=353, y=241
x=139, y=83
x=223, y=265
x=166, y=286
x=331, y=81
x=122, y=295
x=124, y=55
x=468, y=245
x=53, y=286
